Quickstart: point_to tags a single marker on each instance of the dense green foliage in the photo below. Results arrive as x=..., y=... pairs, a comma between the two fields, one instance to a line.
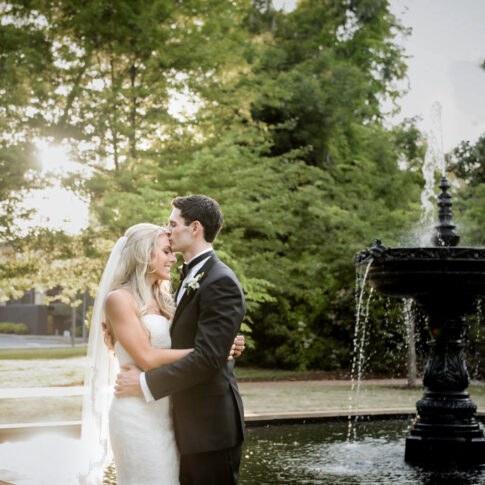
x=467, y=162
x=287, y=135
x=25, y=81
x=15, y=328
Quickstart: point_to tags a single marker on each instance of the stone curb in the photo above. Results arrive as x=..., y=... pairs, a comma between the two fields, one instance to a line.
x=251, y=419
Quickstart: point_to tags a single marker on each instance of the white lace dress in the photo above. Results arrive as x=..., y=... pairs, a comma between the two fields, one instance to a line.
x=141, y=433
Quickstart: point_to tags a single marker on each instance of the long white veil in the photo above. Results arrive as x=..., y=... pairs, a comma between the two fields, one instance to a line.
x=101, y=371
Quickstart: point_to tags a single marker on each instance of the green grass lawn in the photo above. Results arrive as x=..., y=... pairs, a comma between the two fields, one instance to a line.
x=42, y=353
x=252, y=372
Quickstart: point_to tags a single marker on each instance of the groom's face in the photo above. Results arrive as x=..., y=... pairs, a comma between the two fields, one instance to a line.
x=179, y=235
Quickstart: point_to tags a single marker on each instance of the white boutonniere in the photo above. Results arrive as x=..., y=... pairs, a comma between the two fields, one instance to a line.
x=193, y=283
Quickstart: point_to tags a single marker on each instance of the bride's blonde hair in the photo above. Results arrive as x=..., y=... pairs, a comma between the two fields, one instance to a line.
x=134, y=268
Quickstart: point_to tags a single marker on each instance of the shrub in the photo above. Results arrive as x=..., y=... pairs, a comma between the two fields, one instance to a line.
x=79, y=332
x=16, y=328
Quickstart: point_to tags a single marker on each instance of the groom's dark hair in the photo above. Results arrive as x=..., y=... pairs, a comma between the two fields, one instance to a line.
x=203, y=209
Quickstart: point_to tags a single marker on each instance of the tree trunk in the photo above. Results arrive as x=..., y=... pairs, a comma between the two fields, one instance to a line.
x=73, y=326
x=132, y=137
x=114, y=132
x=83, y=323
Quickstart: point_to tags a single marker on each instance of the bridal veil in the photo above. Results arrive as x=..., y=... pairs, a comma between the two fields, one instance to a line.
x=101, y=371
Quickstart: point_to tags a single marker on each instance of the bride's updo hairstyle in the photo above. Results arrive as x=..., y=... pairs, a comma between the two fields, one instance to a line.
x=134, y=268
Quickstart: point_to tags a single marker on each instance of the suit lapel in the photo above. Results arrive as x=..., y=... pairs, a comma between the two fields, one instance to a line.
x=188, y=295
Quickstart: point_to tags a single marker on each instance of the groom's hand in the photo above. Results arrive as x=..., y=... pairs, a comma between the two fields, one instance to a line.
x=237, y=347
x=128, y=382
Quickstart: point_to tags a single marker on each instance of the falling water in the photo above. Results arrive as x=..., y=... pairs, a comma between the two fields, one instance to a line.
x=434, y=160
x=411, y=341
x=387, y=312
x=359, y=342
x=479, y=312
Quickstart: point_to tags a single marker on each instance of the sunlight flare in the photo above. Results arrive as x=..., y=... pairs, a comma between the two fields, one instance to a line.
x=54, y=157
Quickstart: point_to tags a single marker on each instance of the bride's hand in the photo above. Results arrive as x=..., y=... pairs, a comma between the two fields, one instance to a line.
x=237, y=347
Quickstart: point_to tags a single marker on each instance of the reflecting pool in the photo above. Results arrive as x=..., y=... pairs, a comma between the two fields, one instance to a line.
x=296, y=454
x=319, y=454
x=49, y=458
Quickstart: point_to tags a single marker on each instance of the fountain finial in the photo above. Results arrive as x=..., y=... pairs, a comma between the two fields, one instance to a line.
x=445, y=235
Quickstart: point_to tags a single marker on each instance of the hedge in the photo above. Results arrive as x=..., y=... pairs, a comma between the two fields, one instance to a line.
x=17, y=328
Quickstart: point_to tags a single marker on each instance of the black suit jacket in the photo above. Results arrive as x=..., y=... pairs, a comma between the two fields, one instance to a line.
x=207, y=407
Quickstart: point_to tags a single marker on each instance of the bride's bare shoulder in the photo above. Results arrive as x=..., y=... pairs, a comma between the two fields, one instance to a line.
x=120, y=300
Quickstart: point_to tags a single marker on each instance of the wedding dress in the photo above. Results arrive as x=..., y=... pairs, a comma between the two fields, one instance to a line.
x=141, y=433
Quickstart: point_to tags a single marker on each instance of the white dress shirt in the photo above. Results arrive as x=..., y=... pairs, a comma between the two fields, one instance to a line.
x=143, y=382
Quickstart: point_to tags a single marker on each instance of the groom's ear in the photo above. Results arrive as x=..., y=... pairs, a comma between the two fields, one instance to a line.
x=197, y=228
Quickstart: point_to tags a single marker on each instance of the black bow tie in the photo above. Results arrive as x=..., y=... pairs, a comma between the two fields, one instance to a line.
x=185, y=268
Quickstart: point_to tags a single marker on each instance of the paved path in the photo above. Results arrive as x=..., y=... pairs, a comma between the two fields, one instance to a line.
x=8, y=341
x=263, y=389
x=281, y=397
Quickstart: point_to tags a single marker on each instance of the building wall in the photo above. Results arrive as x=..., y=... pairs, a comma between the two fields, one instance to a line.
x=34, y=316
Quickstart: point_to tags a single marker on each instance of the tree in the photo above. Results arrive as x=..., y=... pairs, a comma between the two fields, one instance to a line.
x=288, y=137
x=289, y=140
x=467, y=163
x=25, y=63
x=317, y=103
x=102, y=80
x=54, y=261
x=17, y=166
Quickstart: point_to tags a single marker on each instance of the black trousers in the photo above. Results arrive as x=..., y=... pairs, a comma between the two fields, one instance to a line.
x=220, y=467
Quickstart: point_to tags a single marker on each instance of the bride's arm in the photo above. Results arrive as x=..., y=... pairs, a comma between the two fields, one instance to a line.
x=120, y=311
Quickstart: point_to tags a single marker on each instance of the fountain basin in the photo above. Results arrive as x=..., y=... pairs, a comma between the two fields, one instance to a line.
x=414, y=272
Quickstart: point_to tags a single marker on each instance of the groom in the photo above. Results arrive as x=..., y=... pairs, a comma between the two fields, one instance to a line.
x=207, y=407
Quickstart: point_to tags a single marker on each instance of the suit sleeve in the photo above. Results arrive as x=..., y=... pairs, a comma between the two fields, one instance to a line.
x=221, y=311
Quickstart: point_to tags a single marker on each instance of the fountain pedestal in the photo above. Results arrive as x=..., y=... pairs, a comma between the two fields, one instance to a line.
x=445, y=281
x=445, y=429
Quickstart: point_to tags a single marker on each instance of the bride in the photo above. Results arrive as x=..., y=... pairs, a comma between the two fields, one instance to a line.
x=135, y=303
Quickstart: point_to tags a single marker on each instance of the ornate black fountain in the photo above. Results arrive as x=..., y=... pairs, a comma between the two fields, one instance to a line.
x=445, y=281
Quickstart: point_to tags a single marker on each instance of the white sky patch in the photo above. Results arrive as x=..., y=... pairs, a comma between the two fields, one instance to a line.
x=182, y=105
x=56, y=207
x=286, y=5
x=56, y=158
x=446, y=51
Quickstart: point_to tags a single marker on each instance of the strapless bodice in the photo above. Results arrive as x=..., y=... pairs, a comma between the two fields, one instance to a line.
x=159, y=330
